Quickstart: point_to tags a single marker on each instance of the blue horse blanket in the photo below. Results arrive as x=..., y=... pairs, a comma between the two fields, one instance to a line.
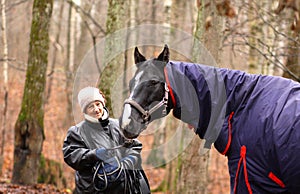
x=252, y=119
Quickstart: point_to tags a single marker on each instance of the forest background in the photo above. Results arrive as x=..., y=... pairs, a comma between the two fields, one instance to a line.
x=46, y=43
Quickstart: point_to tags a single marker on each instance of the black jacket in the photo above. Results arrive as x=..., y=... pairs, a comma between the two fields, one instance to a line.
x=79, y=151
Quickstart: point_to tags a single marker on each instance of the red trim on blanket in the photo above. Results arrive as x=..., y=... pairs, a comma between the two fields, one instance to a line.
x=242, y=159
x=274, y=178
x=229, y=133
x=170, y=89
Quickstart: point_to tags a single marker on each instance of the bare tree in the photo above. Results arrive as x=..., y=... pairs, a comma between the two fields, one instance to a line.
x=156, y=156
x=29, y=128
x=56, y=48
x=116, y=20
x=133, y=17
x=255, y=30
x=293, y=60
x=194, y=175
x=69, y=67
x=84, y=43
x=5, y=83
x=188, y=173
x=261, y=33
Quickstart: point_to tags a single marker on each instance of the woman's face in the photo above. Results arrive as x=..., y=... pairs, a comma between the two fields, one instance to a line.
x=95, y=109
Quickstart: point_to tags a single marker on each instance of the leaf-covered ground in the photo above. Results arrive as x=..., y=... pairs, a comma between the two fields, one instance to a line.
x=7, y=188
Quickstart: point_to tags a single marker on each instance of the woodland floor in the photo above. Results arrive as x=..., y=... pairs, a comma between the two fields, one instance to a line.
x=6, y=188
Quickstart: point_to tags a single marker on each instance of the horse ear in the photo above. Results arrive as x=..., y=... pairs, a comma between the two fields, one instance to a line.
x=138, y=57
x=164, y=55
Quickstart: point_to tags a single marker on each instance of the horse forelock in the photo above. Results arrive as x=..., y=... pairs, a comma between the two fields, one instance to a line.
x=153, y=69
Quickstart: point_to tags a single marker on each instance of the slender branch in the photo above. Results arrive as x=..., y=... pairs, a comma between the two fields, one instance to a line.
x=276, y=62
x=16, y=4
x=236, y=36
x=95, y=54
x=79, y=9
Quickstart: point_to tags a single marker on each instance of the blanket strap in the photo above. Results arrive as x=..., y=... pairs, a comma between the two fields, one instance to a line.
x=242, y=159
x=274, y=178
x=169, y=86
x=229, y=134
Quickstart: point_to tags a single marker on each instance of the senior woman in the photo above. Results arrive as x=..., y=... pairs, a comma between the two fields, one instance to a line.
x=104, y=161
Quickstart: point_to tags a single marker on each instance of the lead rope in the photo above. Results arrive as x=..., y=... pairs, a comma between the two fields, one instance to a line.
x=125, y=144
x=105, y=178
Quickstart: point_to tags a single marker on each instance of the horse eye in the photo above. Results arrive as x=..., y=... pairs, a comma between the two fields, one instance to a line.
x=154, y=82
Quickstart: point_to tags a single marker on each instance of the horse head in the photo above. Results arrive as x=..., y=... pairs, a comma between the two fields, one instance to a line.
x=148, y=98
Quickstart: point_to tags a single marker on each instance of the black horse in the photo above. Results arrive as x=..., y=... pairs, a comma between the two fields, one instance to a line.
x=147, y=87
x=252, y=119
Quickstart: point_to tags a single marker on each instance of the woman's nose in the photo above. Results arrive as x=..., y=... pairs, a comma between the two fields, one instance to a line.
x=96, y=109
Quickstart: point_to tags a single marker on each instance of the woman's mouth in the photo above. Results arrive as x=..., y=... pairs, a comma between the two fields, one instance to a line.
x=99, y=114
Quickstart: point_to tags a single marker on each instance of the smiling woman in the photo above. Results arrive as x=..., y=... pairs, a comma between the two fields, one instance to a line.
x=104, y=161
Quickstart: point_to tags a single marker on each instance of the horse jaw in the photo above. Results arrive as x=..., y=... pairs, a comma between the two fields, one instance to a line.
x=129, y=127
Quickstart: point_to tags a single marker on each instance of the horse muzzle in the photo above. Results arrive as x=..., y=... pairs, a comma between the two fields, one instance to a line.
x=129, y=135
x=131, y=129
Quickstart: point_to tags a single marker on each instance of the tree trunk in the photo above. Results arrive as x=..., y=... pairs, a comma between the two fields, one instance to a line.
x=132, y=13
x=177, y=17
x=29, y=128
x=188, y=173
x=293, y=61
x=55, y=49
x=156, y=157
x=85, y=41
x=172, y=168
x=69, y=68
x=255, y=30
x=5, y=83
x=116, y=20
x=195, y=165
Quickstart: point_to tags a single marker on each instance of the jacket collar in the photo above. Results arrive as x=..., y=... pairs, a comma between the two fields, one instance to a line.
x=90, y=119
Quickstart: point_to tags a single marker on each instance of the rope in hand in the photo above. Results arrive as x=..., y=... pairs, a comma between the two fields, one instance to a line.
x=126, y=144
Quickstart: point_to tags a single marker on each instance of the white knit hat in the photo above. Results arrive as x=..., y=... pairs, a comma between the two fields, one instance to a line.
x=88, y=95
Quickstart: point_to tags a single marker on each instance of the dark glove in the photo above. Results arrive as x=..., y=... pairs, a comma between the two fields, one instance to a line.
x=102, y=154
x=134, y=144
x=137, y=145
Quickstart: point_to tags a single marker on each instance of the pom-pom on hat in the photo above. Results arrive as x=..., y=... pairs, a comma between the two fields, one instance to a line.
x=88, y=95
